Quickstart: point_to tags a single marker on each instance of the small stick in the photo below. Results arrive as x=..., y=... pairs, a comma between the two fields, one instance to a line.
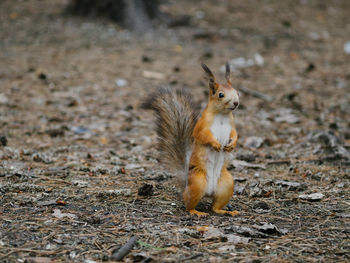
x=124, y=250
x=279, y=162
x=255, y=94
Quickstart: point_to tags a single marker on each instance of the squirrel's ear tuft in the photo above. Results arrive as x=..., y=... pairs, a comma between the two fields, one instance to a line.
x=208, y=71
x=211, y=77
x=227, y=73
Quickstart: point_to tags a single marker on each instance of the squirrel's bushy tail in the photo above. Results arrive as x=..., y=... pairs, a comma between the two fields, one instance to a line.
x=176, y=118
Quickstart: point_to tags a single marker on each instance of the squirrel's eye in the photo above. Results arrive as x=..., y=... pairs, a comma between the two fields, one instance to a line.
x=221, y=95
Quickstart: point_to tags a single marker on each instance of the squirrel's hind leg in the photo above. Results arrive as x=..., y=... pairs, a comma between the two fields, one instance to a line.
x=223, y=194
x=194, y=191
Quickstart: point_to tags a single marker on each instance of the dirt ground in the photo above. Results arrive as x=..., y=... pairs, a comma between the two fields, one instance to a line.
x=79, y=171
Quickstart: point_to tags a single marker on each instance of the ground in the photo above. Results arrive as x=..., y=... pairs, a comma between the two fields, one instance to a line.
x=79, y=172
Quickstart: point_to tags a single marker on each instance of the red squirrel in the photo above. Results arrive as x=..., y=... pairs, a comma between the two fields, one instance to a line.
x=195, y=145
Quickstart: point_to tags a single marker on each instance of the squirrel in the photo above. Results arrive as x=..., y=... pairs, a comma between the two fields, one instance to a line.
x=197, y=145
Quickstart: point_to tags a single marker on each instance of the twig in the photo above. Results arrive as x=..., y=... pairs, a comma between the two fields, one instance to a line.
x=52, y=179
x=255, y=93
x=279, y=162
x=193, y=257
x=124, y=250
x=40, y=252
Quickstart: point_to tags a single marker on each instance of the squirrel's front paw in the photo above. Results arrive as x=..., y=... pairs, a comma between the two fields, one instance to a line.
x=230, y=146
x=216, y=146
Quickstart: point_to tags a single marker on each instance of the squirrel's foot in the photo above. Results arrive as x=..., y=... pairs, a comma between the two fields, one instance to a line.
x=197, y=213
x=224, y=212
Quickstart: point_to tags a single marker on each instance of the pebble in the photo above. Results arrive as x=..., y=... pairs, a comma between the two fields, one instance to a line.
x=3, y=140
x=146, y=190
x=153, y=75
x=241, y=62
x=286, y=115
x=3, y=98
x=121, y=82
x=289, y=185
x=347, y=47
x=312, y=197
x=79, y=129
x=254, y=142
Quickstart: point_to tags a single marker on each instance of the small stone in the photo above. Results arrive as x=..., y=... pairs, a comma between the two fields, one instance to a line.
x=55, y=132
x=42, y=76
x=310, y=67
x=71, y=102
x=286, y=115
x=288, y=118
x=72, y=254
x=146, y=190
x=268, y=228
x=3, y=98
x=3, y=140
x=228, y=248
x=344, y=215
x=207, y=54
x=261, y=207
x=312, y=197
x=58, y=214
x=254, y=142
x=259, y=59
x=239, y=189
x=153, y=75
x=80, y=184
x=237, y=239
x=347, y=47
x=248, y=157
x=257, y=191
x=146, y=59
x=121, y=82
x=289, y=185
x=79, y=129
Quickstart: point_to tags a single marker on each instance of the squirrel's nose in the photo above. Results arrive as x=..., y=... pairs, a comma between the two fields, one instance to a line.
x=235, y=103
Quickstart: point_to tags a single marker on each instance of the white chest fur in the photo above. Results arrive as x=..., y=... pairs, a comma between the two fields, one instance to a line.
x=221, y=129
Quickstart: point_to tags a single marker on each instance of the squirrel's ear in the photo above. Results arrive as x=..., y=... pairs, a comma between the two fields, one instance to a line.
x=208, y=71
x=211, y=77
x=227, y=74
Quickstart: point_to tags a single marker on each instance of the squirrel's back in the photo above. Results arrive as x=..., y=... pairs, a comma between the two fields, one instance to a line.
x=176, y=118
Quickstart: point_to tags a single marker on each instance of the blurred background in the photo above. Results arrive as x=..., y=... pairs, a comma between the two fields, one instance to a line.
x=73, y=74
x=82, y=67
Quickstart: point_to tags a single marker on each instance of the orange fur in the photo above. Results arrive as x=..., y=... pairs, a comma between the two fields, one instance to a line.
x=224, y=192
x=204, y=138
x=194, y=191
x=202, y=134
x=197, y=149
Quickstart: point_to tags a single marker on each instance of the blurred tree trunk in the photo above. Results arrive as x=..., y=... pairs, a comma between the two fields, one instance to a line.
x=135, y=15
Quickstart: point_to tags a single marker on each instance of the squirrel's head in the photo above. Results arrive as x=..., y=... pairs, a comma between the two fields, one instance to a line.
x=222, y=97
